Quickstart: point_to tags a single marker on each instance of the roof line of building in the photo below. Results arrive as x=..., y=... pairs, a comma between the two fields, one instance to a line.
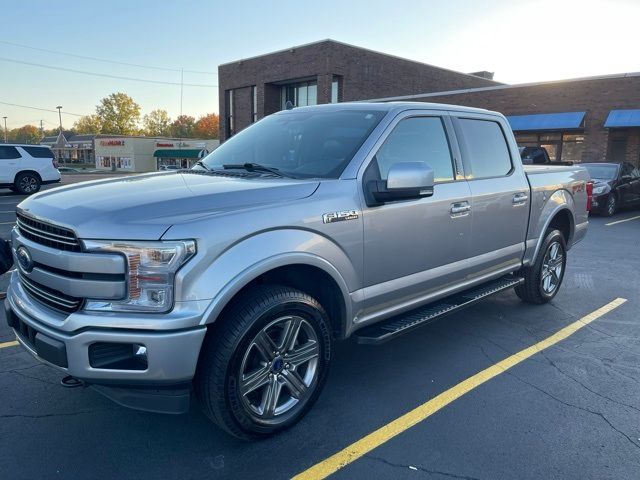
x=284, y=50
x=500, y=87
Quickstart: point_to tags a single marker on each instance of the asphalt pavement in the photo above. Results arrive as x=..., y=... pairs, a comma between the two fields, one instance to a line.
x=571, y=411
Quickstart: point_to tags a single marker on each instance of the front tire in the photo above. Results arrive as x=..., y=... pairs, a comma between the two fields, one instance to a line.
x=265, y=362
x=27, y=183
x=542, y=280
x=611, y=207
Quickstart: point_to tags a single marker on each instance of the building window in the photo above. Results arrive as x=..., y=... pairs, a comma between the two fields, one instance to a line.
x=561, y=147
x=335, y=97
x=299, y=94
x=254, y=104
x=231, y=127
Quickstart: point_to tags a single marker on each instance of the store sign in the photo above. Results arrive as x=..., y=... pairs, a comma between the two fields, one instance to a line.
x=112, y=143
x=164, y=145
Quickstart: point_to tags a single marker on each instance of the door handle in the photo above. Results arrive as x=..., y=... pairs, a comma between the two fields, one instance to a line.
x=520, y=198
x=460, y=209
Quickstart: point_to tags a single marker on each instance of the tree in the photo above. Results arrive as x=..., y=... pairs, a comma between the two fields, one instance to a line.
x=183, y=126
x=119, y=114
x=27, y=134
x=157, y=123
x=89, y=124
x=207, y=126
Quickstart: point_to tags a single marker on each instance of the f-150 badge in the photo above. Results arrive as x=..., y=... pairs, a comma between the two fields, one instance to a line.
x=339, y=216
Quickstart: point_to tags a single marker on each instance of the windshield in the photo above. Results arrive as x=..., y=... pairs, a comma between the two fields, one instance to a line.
x=300, y=144
x=602, y=172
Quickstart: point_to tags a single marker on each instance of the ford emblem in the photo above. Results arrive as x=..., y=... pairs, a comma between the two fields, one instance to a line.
x=24, y=259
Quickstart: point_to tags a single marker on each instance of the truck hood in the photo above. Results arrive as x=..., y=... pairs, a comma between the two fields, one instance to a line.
x=143, y=207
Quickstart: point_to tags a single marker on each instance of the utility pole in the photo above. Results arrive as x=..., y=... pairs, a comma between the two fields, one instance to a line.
x=5, y=129
x=181, y=87
x=59, y=107
x=41, y=128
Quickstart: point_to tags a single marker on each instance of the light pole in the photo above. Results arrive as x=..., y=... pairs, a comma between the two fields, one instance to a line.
x=5, y=129
x=59, y=107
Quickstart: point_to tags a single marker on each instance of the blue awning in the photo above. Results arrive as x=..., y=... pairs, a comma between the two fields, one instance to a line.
x=622, y=119
x=546, y=121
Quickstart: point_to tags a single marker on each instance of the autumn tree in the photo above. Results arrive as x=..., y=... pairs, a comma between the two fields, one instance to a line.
x=27, y=134
x=89, y=124
x=183, y=126
x=207, y=126
x=157, y=123
x=119, y=114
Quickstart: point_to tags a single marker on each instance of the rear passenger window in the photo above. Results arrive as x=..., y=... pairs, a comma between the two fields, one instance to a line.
x=486, y=148
x=417, y=139
x=8, y=153
x=39, y=152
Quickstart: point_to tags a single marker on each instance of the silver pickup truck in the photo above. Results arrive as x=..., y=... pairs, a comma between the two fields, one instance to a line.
x=313, y=225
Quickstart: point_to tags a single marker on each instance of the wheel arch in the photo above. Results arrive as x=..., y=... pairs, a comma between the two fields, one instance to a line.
x=561, y=217
x=297, y=258
x=27, y=171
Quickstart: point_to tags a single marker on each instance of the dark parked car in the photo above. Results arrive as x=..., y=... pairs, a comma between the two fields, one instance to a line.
x=615, y=185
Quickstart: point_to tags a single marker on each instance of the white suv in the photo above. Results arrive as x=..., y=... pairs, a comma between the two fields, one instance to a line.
x=24, y=168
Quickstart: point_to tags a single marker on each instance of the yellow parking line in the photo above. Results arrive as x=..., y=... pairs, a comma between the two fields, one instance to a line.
x=8, y=344
x=420, y=413
x=622, y=221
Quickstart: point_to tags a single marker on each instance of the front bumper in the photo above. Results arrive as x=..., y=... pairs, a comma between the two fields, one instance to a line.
x=599, y=202
x=172, y=355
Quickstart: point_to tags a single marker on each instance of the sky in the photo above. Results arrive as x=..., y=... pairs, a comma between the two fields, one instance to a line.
x=520, y=40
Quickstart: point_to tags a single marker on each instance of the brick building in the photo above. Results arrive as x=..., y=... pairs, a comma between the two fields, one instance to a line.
x=324, y=72
x=581, y=120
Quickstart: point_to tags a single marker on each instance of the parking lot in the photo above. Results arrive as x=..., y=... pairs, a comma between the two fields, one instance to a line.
x=570, y=410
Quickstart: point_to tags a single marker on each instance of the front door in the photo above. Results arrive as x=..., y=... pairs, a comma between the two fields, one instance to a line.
x=500, y=193
x=415, y=247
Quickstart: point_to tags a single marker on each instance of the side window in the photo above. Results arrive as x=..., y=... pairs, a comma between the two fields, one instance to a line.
x=8, y=153
x=39, y=152
x=486, y=148
x=417, y=139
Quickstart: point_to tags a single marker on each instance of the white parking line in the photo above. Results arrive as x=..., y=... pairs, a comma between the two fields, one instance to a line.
x=7, y=223
x=7, y=211
x=622, y=221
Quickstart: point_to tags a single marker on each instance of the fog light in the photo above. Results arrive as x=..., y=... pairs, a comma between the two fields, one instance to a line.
x=140, y=355
x=118, y=356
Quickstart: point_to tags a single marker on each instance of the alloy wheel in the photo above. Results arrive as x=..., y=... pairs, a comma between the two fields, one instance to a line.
x=28, y=184
x=552, y=267
x=279, y=369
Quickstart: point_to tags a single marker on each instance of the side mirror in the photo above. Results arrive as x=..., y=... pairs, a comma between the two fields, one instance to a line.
x=405, y=181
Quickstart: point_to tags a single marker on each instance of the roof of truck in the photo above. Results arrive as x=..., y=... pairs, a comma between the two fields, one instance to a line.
x=394, y=106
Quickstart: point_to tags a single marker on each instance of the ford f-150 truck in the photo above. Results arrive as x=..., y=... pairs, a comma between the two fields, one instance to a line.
x=315, y=224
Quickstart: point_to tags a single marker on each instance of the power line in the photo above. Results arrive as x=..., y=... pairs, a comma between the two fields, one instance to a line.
x=41, y=109
x=96, y=59
x=106, y=75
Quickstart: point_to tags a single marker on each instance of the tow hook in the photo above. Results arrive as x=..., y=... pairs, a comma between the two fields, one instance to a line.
x=71, y=382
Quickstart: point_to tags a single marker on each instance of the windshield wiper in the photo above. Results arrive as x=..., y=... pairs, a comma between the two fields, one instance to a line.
x=256, y=167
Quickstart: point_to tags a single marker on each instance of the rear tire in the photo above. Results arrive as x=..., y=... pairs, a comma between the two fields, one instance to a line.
x=27, y=183
x=543, y=279
x=264, y=362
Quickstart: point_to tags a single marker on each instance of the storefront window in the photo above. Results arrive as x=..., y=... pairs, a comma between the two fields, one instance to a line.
x=561, y=147
x=299, y=94
x=334, y=90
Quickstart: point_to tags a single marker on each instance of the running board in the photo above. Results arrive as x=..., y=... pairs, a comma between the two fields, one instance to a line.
x=392, y=327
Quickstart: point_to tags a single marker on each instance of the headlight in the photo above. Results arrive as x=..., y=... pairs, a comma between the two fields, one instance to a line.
x=599, y=190
x=151, y=267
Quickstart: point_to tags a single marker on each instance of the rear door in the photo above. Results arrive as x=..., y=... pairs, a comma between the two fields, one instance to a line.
x=499, y=193
x=9, y=163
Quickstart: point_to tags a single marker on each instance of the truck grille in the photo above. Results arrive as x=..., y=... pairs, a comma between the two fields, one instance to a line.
x=50, y=297
x=47, y=234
